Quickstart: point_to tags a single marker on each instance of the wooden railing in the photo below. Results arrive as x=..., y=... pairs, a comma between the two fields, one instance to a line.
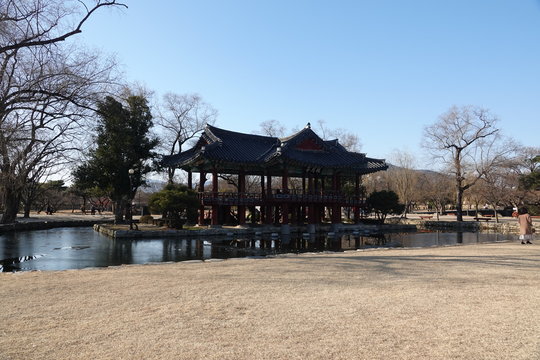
x=277, y=196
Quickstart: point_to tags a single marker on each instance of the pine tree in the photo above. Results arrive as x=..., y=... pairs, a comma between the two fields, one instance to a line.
x=124, y=149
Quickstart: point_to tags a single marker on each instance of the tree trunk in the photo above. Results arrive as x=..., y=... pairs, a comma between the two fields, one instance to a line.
x=27, y=206
x=496, y=213
x=11, y=205
x=118, y=211
x=129, y=211
x=459, y=204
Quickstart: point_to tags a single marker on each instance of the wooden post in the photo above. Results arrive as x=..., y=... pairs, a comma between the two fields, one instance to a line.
x=215, y=206
x=201, y=194
x=311, y=206
x=241, y=196
x=357, y=199
x=284, y=204
x=267, y=201
x=263, y=198
x=336, y=208
x=302, y=206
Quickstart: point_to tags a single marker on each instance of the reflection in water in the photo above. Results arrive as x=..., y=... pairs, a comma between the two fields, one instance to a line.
x=75, y=248
x=8, y=265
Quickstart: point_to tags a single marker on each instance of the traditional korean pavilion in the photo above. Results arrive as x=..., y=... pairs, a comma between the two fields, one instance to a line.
x=310, y=173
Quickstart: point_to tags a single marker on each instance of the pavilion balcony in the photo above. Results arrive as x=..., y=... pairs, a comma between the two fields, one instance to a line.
x=277, y=197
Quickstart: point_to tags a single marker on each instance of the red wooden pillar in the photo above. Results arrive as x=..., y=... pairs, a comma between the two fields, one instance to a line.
x=269, y=210
x=201, y=191
x=318, y=194
x=357, y=199
x=284, y=204
x=241, y=196
x=263, y=197
x=311, y=206
x=321, y=208
x=333, y=201
x=336, y=208
x=303, y=205
x=215, y=206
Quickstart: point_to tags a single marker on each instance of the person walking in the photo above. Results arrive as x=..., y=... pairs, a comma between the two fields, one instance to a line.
x=525, y=225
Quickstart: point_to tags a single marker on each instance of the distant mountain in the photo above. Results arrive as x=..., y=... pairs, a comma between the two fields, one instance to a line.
x=422, y=171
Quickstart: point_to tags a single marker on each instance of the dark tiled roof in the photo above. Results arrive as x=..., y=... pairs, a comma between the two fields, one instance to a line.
x=304, y=149
x=239, y=147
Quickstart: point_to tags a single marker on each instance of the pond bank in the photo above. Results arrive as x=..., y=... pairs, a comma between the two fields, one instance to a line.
x=508, y=226
x=43, y=225
x=391, y=225
x=446, y=223
x=114, y=231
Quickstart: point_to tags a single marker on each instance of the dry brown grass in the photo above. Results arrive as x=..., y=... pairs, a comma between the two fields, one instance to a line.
x=463, y=302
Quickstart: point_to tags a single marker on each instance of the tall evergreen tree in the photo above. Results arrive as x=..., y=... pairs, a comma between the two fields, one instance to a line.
x=124, y=148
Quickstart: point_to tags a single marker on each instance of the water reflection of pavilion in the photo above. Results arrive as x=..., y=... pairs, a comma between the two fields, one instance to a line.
x=326, y=176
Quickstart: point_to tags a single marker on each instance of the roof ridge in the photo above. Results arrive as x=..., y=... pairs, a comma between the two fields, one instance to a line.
x=237, y=133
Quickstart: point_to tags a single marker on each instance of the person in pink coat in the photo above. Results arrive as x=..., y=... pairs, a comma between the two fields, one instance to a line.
x=525, y=225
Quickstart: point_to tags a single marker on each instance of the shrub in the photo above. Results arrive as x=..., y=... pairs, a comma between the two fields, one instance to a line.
x=146, y=219
x=177, y=203
x=384, y=203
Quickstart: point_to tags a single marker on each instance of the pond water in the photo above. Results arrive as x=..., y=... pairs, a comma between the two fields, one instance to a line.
x=78, y=248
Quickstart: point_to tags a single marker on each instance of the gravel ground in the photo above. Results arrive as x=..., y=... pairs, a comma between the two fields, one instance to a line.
x=460, y=302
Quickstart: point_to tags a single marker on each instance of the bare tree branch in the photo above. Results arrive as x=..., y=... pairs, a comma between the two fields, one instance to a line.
x=40, y=38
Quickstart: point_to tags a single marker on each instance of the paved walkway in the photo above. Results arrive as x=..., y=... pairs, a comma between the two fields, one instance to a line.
x=64, y=216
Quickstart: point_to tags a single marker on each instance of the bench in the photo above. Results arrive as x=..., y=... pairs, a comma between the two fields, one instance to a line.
x=426, y=216
x=486, y=219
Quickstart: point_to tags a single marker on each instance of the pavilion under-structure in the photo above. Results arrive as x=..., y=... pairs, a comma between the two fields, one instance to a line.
x=301, y=179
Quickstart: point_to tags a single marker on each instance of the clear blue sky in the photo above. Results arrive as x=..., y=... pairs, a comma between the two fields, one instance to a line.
x=382, y=69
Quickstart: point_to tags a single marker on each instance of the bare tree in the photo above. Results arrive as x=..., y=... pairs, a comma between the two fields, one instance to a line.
x=33, y=188
x=403, y=177
x=434, y=189
x=46, y=90
x=497, y=189
x=272, y=128
x=526, y=168
x=347, y=139
x=527, y=160
x=467, y=142
x=181, y=118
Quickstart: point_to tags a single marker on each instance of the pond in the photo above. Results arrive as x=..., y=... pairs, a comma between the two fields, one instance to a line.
x=78, y=248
